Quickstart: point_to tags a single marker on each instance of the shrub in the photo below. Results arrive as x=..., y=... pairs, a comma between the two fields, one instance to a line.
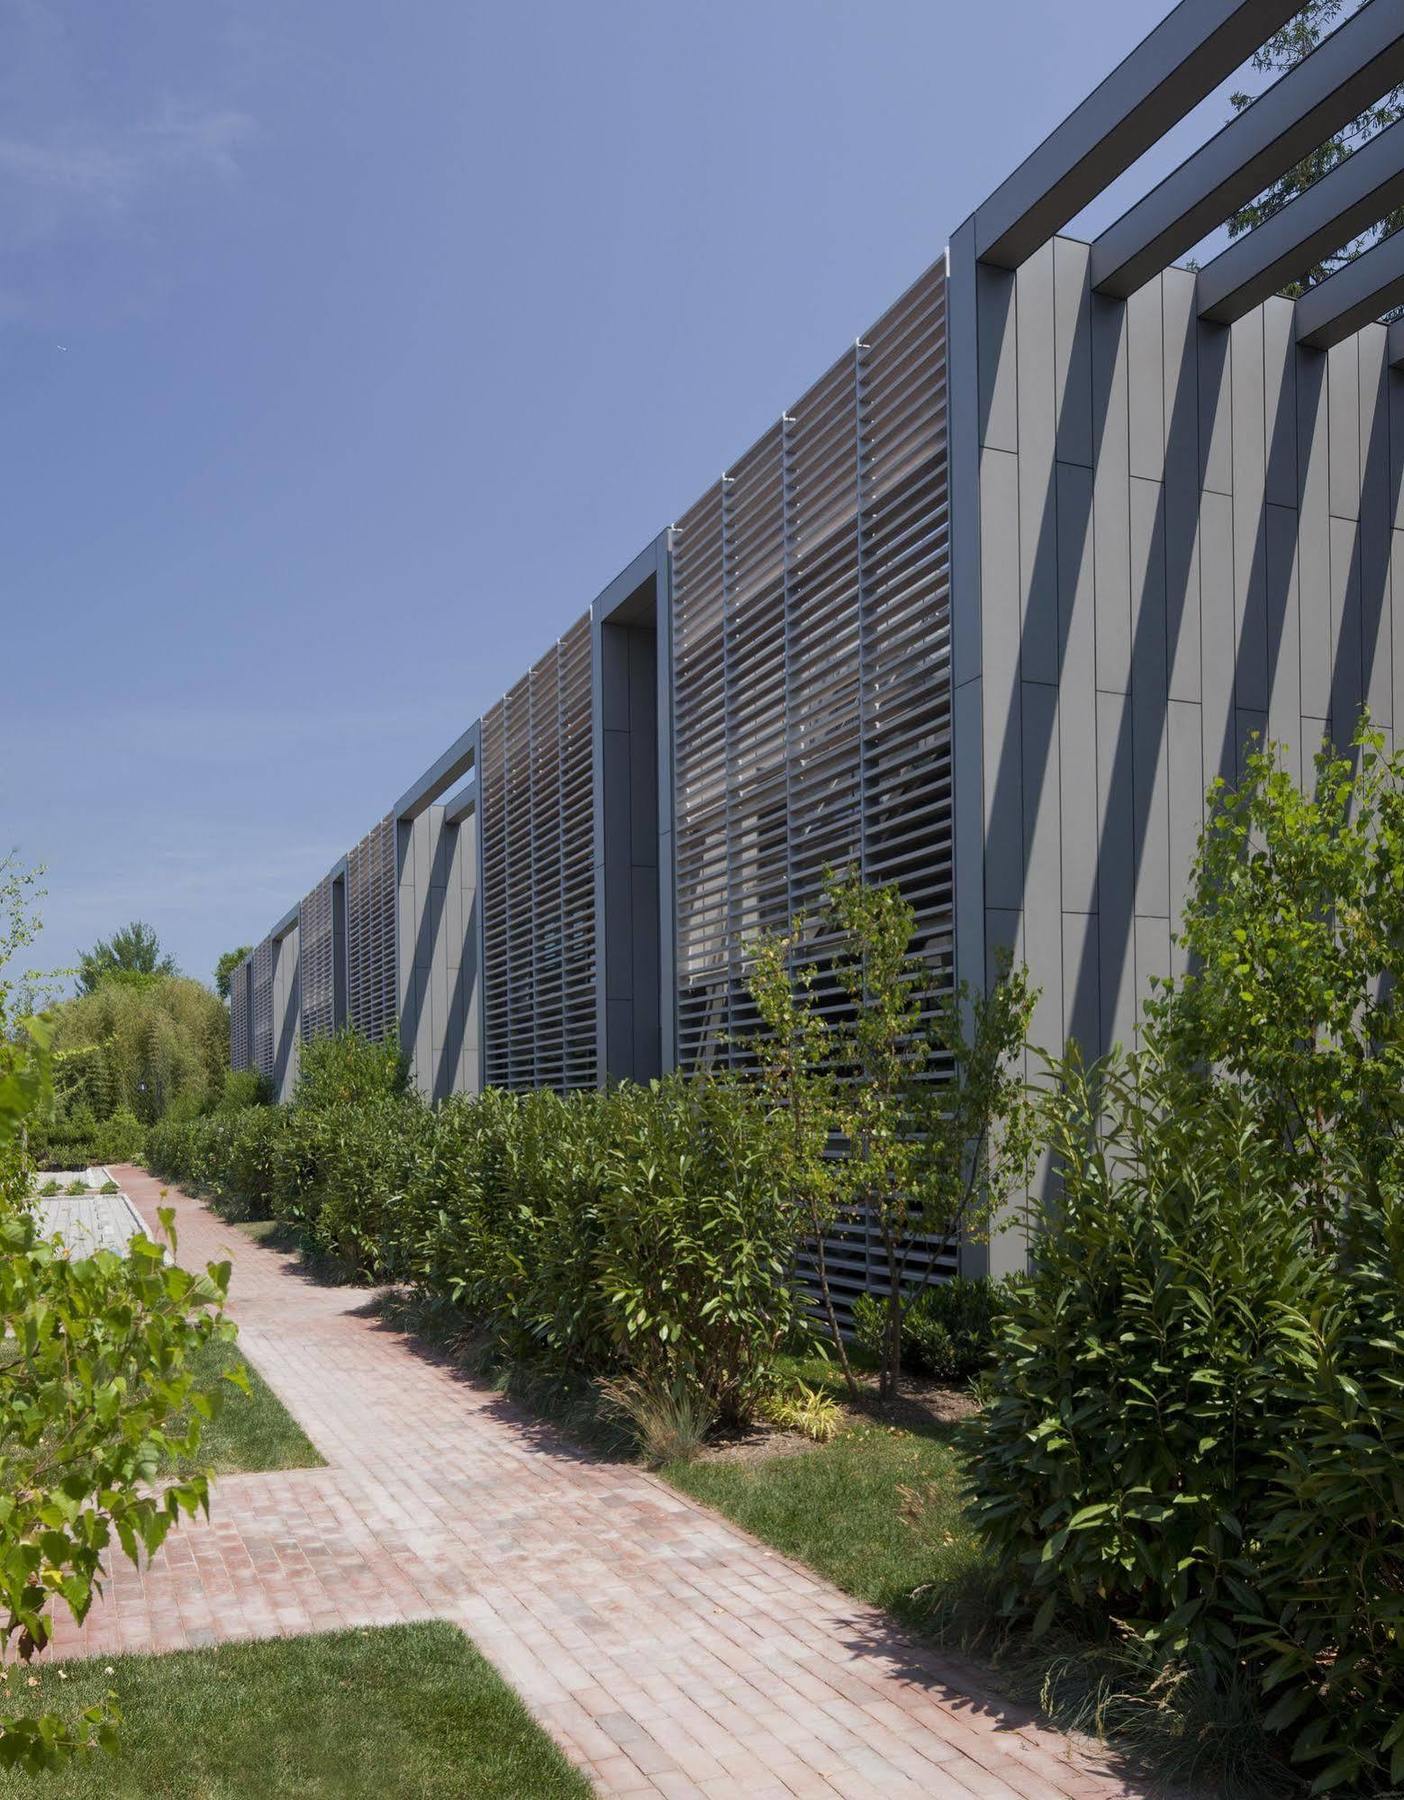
x=640, y=1230
x=80, y=1142
x=948, y=1327
x=244, y=1087
x=345, y=1068
x=1197, y=1426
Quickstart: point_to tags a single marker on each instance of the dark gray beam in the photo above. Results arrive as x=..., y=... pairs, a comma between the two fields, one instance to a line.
x=1396, y=344
x=452, y=766
x=1186, y=57
x=1356, y=194
x=285, y=924
x=462, y=805
x=1356, y=294
x=1347, y=72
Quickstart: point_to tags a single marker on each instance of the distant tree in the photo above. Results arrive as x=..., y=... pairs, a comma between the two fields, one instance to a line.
x=134, y=950
x=1281, y=52
x=225, y=967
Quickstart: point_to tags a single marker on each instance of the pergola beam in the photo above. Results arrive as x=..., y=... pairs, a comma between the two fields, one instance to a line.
x=1353, y=296
x=1356, y=194
x=1168, y=73
x=1345, y=74
x=451, y=767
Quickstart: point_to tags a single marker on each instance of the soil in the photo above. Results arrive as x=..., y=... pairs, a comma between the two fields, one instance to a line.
x=920, y=1405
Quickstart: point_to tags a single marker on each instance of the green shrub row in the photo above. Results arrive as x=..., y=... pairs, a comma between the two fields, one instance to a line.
x=639, y=1230
x=78, y=1140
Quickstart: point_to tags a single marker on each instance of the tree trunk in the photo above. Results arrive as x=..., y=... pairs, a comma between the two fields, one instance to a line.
x=892, y=1346
x=834, y=1332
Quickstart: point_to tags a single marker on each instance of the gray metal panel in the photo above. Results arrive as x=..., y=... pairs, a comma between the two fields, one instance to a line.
x=1327, y=90
x=1037, y=415
x=1358, y=192
x=1187, y=55
x=1111, y=501
x=1396, y=344
x=1077, y=709
x=1354, y=296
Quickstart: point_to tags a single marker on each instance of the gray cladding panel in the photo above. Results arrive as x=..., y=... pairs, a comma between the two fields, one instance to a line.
x=1228, y=565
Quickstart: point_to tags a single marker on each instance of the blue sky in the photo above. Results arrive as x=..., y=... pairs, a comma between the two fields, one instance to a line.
x=348, y=349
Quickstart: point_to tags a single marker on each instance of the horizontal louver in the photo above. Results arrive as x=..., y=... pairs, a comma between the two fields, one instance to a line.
x=261, y=1008
x=811, y=685
x=240, y=1017
x=538, y=876
x=318, y=962
x=370, y=933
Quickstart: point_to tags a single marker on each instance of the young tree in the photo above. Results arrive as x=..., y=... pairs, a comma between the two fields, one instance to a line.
x=930, y=1148
x=794, y=1052
x=135, y=950
x=225, y=967
x=1281, y=52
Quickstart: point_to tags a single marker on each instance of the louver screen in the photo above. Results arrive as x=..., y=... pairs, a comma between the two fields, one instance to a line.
x=240, y=1021
x=318, y=962
x=811, y=678
x=538, y=875
x=261, y=1004
x=370, y=933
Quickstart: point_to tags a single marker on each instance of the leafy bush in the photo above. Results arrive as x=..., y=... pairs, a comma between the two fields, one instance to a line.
x=1198, y=1414
x=345, y=1068
x=81, y=1141
x=245, y=1087
x=948, y=1327
x=639, y=1230
x=98, y=1373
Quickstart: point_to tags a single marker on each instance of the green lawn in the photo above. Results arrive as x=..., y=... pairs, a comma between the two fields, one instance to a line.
x=404, y=1713
x=841, y=1508
x=252, y=1431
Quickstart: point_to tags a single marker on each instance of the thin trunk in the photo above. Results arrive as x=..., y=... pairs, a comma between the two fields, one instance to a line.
x=835, y=1333
x=892, y=1347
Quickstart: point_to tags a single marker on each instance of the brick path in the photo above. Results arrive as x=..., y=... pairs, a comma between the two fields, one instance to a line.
x=666, y=1651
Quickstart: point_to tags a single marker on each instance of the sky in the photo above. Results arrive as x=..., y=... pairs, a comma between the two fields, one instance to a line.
x=348, y=349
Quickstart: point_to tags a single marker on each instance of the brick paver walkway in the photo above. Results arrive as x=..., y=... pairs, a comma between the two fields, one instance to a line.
x=668, y=1652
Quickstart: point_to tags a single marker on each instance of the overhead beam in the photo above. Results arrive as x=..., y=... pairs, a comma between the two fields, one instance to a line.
x=286, y=924
x=441, y=775
x=462, y=805
x=1347, y=72
x=1166, y=76
x=1356, y=194
x=1396, y=344
x=1353, y=296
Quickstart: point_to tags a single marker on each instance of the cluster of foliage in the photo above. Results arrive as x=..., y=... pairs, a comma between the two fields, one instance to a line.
x=95, y=1377
x=132, y=954
x=902, y=1107
x=948, y=1328
x=1199, y=1415
x=137, y=1041
x=1282, y=51
x=638, y=1232
x=225, y=967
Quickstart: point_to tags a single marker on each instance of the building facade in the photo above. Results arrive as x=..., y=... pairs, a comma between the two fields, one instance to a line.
x=984, y=613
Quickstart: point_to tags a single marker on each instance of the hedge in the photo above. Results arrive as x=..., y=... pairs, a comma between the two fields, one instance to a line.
x=641, y=1229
